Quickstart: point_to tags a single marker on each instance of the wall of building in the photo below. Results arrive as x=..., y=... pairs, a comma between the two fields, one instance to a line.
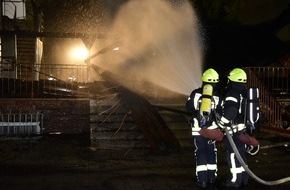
x=64, y=116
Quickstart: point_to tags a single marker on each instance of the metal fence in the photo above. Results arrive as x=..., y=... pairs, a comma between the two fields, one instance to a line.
x=64, y=72
x=21, y=124
x=38, y=80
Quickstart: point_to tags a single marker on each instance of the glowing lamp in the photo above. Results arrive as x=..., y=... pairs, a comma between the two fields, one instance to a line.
x=79, y=53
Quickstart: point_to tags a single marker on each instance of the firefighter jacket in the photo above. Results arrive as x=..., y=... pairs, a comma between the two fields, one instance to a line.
x=233, y=109
x=193, y=106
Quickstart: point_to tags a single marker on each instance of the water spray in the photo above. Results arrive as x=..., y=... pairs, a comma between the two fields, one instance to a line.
x=153, y=48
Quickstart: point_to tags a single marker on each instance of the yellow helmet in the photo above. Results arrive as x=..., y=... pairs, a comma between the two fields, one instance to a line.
x=238, y=75
x=210, y=76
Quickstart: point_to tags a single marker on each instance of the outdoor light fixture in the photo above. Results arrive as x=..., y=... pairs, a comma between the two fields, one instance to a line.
x=79, y=53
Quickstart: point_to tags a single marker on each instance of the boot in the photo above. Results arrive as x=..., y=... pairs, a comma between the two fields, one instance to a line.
x=201, y=184
x=211, y=180
x=231, y=184
x=245, y=178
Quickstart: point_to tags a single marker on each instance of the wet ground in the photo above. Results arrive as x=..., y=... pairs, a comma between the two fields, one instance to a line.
x=59, y=163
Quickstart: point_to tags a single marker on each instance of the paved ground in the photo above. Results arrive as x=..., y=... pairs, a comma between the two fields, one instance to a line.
x=57, y=163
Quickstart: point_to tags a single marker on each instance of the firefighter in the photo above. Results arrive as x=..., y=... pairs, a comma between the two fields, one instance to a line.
x=203, y=103
x=233, y=119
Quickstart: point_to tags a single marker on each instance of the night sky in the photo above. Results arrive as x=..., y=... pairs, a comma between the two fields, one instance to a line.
x=258, y=11
x=254, y=12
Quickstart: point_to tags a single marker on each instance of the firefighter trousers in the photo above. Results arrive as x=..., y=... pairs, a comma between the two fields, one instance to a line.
x=206, y=158
x=238, y=173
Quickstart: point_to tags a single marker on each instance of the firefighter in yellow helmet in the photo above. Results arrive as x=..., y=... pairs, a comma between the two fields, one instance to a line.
x=233, y=119
x=203, y=103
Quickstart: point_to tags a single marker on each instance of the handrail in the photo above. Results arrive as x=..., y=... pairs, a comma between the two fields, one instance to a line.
x=58, y=80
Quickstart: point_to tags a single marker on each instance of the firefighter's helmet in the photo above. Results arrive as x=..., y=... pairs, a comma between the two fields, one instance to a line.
x=238, y=75
x=210, y=76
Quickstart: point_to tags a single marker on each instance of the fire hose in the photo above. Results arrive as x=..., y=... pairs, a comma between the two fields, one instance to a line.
x=242, y=162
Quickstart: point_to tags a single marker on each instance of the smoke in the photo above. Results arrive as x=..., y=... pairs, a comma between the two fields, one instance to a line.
x=158, y=42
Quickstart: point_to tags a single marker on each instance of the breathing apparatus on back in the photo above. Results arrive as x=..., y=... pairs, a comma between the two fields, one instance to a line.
x=209, y=78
